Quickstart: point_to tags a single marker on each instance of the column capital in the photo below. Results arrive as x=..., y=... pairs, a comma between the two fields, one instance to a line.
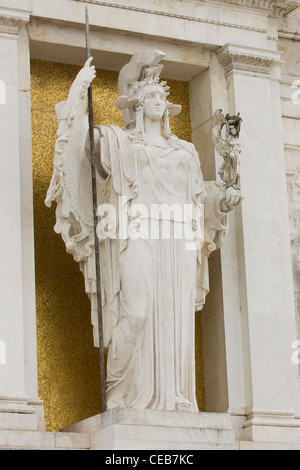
x=11, y=20
x=248, y=59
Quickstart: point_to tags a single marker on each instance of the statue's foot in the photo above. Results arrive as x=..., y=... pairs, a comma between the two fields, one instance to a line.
x=112, y=404
x=183, y=405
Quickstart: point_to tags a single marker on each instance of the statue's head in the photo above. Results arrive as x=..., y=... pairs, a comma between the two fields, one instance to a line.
x=143, y=94
x=234, y=124
x=154, y=103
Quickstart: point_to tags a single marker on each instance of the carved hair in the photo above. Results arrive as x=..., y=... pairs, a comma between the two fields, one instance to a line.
x=142, y=89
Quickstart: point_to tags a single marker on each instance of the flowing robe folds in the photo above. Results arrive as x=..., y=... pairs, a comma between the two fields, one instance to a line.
x=154, y=264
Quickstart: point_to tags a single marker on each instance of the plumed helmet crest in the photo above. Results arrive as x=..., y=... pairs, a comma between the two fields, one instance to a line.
x=135, y=79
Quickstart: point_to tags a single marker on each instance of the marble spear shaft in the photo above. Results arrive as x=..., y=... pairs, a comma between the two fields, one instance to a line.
x=95, y=203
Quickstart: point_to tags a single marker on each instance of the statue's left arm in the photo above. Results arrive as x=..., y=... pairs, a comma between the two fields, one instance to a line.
x=217, y=203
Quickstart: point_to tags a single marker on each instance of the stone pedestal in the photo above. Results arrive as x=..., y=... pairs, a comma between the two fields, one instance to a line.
x=132, y=430
x=157, y=430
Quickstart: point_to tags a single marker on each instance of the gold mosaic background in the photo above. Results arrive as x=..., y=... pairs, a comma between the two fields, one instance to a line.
x=68, y=363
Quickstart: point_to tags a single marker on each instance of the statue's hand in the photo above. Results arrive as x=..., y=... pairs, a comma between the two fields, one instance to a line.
x=87, y=73
x=77, y=94
x=232, y=199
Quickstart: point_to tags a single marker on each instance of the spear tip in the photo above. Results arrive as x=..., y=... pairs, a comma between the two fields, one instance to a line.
x=86, y=15
x=87, y=33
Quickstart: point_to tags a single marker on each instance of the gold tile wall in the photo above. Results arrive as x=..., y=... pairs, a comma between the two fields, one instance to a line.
x=68, y=363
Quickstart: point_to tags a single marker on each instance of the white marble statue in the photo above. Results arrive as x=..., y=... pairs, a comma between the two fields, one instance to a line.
x=158, y=224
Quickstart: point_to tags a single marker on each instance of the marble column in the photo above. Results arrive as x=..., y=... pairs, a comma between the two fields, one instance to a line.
x=20, y=407
x=268, y=330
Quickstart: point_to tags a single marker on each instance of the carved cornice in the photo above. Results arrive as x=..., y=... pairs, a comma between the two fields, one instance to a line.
x=276, y=8
x=283, y=8
x=170, y=14
x=11, y=21
x=250, y=60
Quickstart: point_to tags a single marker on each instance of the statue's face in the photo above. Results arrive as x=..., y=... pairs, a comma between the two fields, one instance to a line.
x=155, y=105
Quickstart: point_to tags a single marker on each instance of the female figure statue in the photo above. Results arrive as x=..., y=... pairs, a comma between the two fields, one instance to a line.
x=154, y=273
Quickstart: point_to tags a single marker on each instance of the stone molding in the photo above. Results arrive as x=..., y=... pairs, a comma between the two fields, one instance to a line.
x=11, y=24
x=249, y=60
x=271, y=418
x=169, y=14
x=12, y=19
x=277, y=426
x=276, y=8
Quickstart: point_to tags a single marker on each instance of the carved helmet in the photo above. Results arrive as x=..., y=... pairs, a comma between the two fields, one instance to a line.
x=136, y=80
